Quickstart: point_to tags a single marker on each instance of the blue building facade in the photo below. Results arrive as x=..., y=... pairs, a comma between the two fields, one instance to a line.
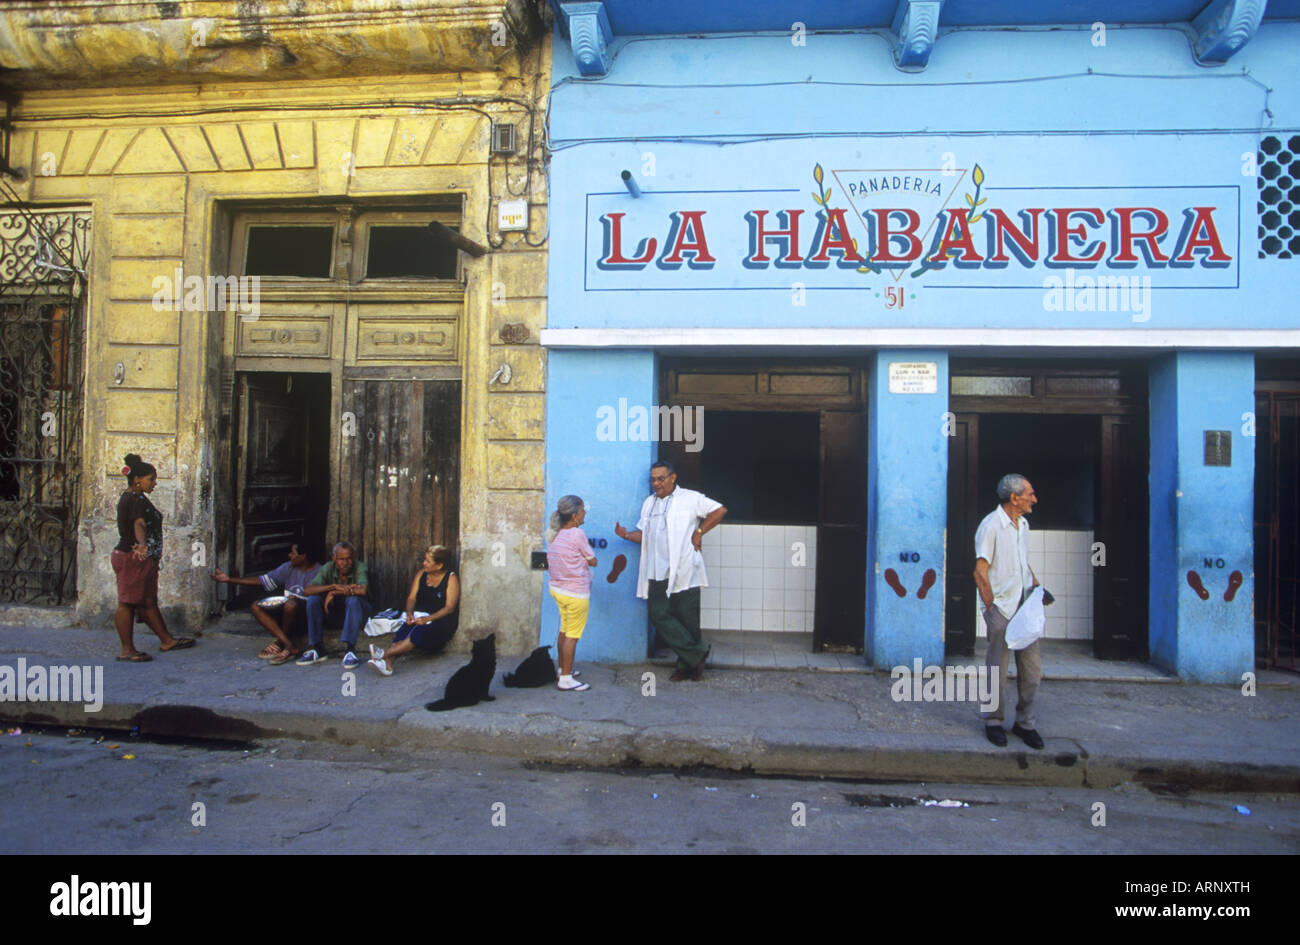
x=847, y=265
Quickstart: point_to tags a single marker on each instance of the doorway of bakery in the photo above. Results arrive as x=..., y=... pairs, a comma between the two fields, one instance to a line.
x=1079, y=434
x=784, y=449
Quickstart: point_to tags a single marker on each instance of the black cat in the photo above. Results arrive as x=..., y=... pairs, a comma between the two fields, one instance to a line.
x=469, y=685
x=536, y=670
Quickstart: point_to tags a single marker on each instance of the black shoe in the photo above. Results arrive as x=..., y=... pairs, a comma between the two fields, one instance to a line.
x=1027, y=735
x=697, y=673
x=996, y=735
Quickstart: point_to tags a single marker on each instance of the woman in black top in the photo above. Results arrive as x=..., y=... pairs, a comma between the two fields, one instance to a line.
x=436, y=592
x=136, y=560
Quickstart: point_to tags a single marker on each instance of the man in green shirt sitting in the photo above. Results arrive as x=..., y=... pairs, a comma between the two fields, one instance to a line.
x=343, y=577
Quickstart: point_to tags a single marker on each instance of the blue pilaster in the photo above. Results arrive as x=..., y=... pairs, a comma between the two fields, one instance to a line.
x=1202, y=516
x=597, y=461
x=907, y=508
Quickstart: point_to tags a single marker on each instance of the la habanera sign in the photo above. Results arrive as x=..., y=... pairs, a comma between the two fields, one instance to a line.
x=943, y=228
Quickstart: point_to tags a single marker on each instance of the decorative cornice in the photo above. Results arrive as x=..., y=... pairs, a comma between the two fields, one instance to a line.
x=589, y=35
x=916, y=23
x=88, y=43
x=1223, y=27
x=1010, y=339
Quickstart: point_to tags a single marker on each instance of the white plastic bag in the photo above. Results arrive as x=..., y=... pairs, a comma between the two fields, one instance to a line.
x=1028, y=623
x=381, y=626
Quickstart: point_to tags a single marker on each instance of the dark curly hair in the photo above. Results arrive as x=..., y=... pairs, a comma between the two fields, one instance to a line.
x=136, y=468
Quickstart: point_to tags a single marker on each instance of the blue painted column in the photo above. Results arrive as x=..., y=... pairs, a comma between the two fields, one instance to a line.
x=596, y=451
x=907, y=510
x=1202, y=517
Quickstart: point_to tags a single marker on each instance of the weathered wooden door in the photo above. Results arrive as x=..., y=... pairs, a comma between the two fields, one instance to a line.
x=840, y=615
x=1119, y=623
x=276, y=478
x=964, y=514
x=399, y=477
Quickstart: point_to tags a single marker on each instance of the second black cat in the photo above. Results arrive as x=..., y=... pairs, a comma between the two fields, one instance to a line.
x=536, y=670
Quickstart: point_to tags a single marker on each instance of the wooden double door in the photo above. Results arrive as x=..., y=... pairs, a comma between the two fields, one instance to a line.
x=382, y=472
x=399, y=478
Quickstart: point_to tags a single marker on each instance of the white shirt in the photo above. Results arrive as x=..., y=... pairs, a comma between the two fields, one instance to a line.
x=1006, y=548
x=655, y=538
x=682, y=515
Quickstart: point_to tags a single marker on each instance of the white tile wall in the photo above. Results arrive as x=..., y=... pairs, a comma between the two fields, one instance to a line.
x=754, y=583
x=1062, y=561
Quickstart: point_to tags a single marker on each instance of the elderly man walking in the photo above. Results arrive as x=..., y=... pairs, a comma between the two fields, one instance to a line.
x=1004, y=579
x=673, y=522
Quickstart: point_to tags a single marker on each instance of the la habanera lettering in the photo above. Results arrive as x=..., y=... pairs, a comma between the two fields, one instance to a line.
x=1057, y=237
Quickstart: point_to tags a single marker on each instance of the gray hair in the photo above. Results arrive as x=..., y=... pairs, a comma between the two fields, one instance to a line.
x=567, y=507
x=341, y=546
x=1011, y=484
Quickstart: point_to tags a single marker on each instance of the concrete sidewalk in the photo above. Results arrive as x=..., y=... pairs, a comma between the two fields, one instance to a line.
x=805, y=723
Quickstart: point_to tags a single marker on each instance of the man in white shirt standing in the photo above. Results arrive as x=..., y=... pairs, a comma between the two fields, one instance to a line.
x=673, y=522
x=1004, y=580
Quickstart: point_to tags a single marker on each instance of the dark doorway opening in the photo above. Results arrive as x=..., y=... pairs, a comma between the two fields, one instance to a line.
x=785, y=449
x=1277, y=526
x=1056, y=453
x=766, y=464
x=1079, y=433
x=281, y=468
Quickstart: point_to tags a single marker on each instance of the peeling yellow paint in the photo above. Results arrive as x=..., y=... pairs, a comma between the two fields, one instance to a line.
x=165, y=185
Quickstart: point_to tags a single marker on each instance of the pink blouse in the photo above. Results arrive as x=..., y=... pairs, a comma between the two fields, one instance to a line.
x=566, y=560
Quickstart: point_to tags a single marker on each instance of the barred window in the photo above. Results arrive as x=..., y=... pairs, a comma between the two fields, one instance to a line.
x=1278, y=179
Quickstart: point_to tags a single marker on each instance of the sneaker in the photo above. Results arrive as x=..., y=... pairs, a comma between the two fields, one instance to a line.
x=312, y=656
x=380, y=667
x=351, y=660
x=376, y=652
x=569, y=684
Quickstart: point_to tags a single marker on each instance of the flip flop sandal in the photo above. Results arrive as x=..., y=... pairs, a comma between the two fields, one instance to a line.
x=135, y=658
x=272, y=650
x=284, y=656
x=182, y=644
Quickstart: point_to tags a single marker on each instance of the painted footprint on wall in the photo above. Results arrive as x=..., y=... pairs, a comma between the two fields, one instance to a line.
x=1235, y=580
x=620, y=562
x=1194, y=582
x=927, y=582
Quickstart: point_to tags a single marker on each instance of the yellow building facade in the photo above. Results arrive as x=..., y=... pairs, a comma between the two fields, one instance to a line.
x=266, y=314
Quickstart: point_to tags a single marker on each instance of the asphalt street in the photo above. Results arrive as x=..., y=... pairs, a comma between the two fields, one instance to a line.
x=98, y=792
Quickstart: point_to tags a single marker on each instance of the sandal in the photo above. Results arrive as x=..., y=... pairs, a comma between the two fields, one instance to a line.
x=135, y=658
x=272, y=650
x=184, y=643
x=283, y=657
